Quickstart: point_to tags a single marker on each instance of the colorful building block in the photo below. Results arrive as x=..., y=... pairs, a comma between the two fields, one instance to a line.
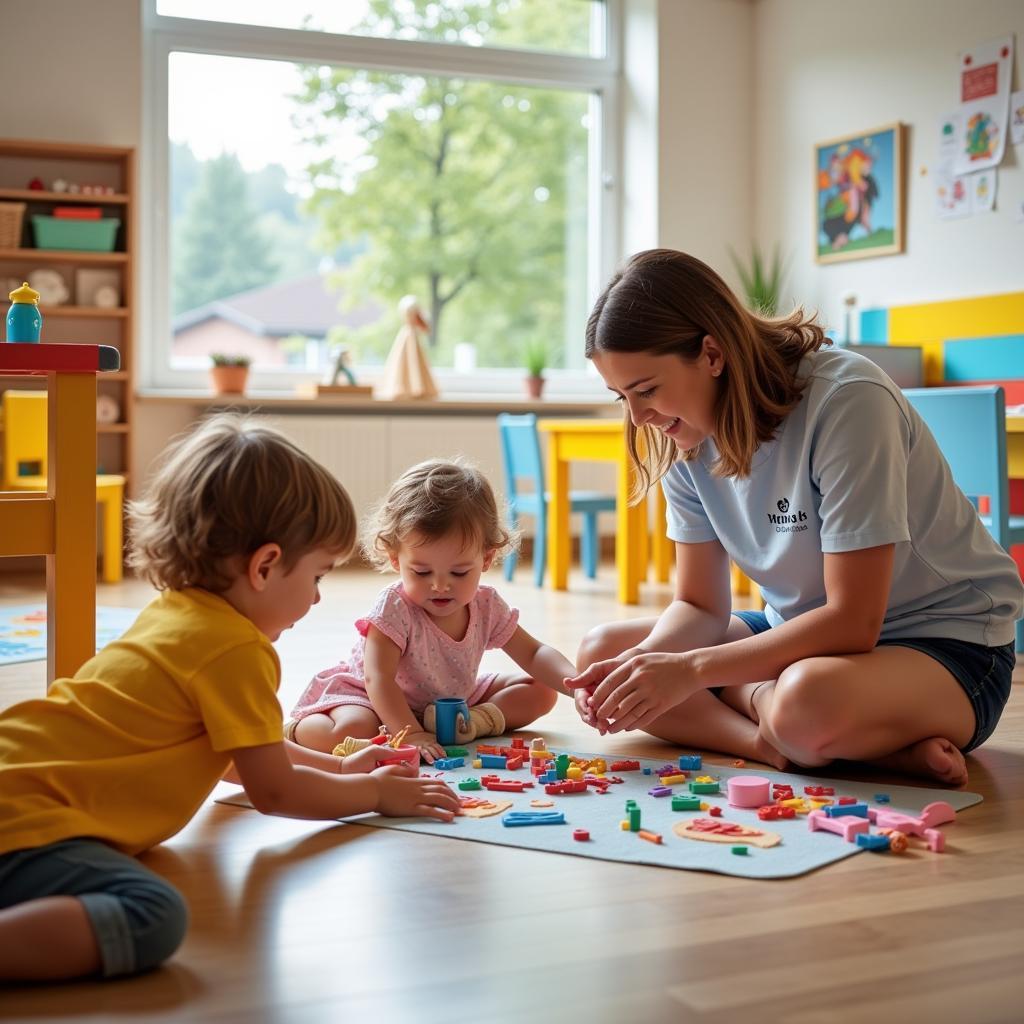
x=849, y=826
x=446, y=763
x=565, y=786
x=493, y=761
x=519, y=818
x=492, y=782
x=469, y=784
x=870, y=842
x=660, y=791
x=837, y=810
x=704, y=787
x=690, y=762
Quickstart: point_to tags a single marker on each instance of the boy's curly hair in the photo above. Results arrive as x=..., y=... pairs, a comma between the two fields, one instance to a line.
x=223, y=490
x=432, y=500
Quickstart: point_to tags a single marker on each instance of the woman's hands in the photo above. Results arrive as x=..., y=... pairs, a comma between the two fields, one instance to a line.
x=633, y=689
x=586, y=683
x=400, y=796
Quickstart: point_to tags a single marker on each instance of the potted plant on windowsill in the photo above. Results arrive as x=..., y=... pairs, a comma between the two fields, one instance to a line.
x=535, y=359
x=228, y=373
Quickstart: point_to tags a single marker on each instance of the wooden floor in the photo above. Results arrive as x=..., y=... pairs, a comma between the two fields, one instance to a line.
x=300, y=921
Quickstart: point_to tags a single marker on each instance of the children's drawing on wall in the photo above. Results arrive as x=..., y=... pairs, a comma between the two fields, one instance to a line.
x=952, y=198
x=859, y=195
x=984, y=104
x=983, y=190
x=1017, y=117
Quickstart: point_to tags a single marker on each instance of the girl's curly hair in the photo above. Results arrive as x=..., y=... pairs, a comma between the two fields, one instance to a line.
x=432, y=500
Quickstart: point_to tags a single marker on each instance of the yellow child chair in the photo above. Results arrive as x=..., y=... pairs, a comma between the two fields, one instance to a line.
x=25, y=442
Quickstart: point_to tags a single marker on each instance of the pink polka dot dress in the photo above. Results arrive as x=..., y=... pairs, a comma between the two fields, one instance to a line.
x=432, y=665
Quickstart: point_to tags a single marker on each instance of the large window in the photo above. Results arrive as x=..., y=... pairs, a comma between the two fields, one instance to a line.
x=313, y=167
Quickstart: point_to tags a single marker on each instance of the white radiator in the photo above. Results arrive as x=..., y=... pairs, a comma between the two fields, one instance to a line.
x=354, y=448
x=367, y=453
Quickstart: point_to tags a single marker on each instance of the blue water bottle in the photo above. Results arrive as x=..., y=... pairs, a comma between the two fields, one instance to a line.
x=24, y=321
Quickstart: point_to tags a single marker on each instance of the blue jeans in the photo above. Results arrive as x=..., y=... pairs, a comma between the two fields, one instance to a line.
x=139, y=918
x=984, y=673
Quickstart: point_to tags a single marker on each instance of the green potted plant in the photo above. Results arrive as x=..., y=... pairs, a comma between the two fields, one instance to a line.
x=535, y=359
x=762, y=283
x=228, y=373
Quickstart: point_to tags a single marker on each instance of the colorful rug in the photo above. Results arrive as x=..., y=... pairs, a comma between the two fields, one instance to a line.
x=23, y=630
x=799, y=851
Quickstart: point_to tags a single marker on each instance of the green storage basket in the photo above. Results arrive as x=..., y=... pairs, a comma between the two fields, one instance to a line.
x=68, y=233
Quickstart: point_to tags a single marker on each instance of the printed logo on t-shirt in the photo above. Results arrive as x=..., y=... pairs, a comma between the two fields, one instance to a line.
x=785, y=521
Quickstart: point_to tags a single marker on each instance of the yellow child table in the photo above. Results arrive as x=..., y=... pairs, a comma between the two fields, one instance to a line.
x=1015, y=447
x=61, y=522
x=601, y=441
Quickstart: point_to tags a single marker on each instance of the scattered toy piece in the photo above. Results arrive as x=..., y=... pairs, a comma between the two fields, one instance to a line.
x=748, y=790
x=716, y=830
x=519, y=818
x=471, y=807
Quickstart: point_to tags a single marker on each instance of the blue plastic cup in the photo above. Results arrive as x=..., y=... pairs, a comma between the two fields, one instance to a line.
x=449, y=710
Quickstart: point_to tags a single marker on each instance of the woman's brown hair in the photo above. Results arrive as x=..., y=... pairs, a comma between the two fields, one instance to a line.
x=224, y=490
x=664, y=302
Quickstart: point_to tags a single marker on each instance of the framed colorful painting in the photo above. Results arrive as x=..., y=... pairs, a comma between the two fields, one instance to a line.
x=858, y=189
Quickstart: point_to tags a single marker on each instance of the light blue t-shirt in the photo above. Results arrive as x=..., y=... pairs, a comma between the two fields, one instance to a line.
x=853, y=466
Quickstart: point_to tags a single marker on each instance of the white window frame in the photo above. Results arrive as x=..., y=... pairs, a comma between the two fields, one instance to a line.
x=163, y=35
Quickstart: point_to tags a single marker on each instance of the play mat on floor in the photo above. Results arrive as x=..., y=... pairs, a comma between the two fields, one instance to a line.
x=718, y=837
x=23, y=630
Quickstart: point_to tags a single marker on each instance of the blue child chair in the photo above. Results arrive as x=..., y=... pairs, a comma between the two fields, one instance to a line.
x=520, y=449
x=969, y=425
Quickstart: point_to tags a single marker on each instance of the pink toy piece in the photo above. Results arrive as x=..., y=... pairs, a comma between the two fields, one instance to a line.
x=848, y=825
x=937, y=813
x=748, y=790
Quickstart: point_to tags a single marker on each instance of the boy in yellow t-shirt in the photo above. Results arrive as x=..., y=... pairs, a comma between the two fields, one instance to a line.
x=236, y=530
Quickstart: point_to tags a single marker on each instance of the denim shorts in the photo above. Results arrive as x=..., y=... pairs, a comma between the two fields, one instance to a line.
x=984, y=673
x=139, y=918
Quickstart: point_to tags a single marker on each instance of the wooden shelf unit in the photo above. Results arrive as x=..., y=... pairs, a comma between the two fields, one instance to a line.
x=77, y=320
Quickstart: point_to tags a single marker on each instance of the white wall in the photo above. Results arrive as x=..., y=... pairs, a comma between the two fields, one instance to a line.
x=688, y=67
x=71, y=71
x=829, y=67
x=706, y=144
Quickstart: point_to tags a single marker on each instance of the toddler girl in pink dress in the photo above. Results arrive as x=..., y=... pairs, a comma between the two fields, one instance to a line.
x=439, y=529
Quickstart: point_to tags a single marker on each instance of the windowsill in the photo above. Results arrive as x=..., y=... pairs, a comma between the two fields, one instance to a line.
x=286, y=401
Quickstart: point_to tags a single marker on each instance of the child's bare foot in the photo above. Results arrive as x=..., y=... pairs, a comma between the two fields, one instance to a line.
x=934, y=758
